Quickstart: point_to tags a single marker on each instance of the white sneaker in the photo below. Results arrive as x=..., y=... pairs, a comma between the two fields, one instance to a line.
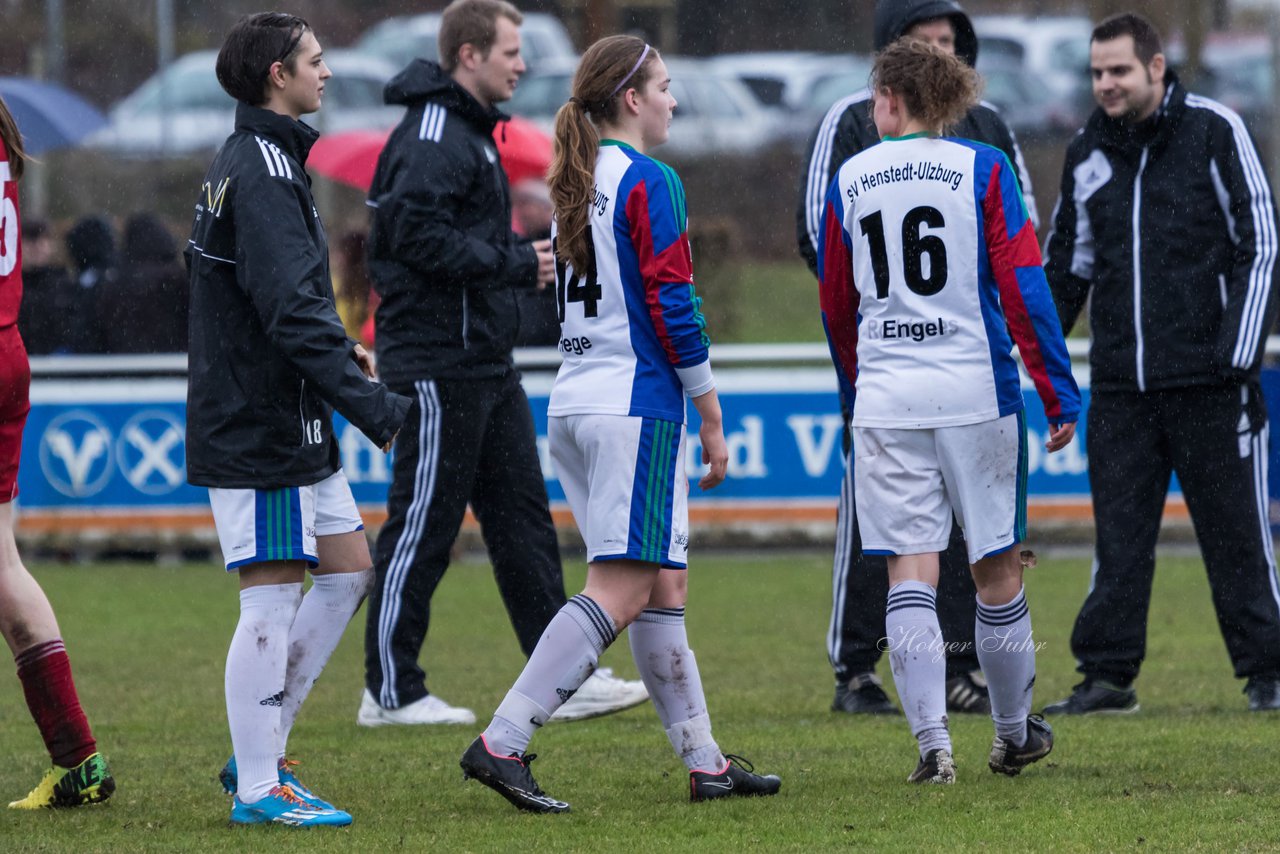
x=602, y=694
x=429, y=710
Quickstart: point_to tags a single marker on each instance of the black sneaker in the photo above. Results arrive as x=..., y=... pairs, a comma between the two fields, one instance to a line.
x=508, y=776
x=967, y=694
x=1263, y=693
x=862, y=695
x=736, y=779
x=937, y=766
x=1096, y=697
x=1008, y=759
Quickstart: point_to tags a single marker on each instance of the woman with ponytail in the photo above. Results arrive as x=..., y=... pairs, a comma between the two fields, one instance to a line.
x=79, y=774
x=635, y=346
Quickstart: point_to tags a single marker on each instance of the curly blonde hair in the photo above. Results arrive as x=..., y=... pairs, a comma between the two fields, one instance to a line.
x=937, y=88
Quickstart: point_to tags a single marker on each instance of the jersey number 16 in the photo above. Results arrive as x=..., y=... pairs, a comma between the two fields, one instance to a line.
x=570, y=287
x=915, y=246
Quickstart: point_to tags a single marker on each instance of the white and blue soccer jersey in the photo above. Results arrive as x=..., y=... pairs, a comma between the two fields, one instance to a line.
x=929, y=270
x=632, y=334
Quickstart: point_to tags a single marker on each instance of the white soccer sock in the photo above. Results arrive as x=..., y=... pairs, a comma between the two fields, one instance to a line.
x=919, y=662
x=660, y=647
x=1006, y=651
x=322, y=618
x=254, y=683
x=565, y=656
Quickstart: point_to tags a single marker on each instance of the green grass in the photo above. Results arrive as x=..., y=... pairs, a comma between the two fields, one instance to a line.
x=772, y=303
x=1192, y=771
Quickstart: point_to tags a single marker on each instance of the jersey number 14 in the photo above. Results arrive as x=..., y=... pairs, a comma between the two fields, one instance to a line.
x=570, y=287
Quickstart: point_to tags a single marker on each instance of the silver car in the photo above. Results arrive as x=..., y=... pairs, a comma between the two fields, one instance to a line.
x=714, y=112
x=183, y=110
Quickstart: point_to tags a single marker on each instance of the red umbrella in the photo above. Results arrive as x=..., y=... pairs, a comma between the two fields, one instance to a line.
x=351, y=157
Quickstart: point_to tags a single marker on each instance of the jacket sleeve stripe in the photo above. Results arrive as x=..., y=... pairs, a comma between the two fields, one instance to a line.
x=820, y=164
x=1251, y=332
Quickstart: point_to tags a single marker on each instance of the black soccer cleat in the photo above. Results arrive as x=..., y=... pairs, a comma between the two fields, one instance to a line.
x=508, y=776
x=967, y=694
x=1096, y=697
x=1007, y=759
x=736, y=779
x=937, y=766
x=862, y=695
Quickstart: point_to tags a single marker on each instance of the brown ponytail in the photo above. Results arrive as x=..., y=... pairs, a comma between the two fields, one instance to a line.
x=596, y=91
x=12, y=141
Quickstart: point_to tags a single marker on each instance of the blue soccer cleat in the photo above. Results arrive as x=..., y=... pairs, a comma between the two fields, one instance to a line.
x=229, y=779
x=283, y=806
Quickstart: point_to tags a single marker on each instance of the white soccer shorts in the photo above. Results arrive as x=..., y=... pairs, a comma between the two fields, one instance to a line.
x=907, y=483
x=256, y=525
x=626, y=485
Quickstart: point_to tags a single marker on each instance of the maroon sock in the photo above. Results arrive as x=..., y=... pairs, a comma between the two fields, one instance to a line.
x=45, y=672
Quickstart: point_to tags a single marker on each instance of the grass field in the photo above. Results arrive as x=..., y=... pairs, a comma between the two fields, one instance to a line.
x=1192, y=771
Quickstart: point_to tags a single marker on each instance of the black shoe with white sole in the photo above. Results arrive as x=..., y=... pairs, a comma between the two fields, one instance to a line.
x=937, y=766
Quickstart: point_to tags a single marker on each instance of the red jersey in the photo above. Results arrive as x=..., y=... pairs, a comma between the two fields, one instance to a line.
x=10, y=246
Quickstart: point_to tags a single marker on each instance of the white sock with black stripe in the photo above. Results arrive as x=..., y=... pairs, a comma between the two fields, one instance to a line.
x=919, y=662
x=660, y=647
x=565, y=656
x=1007, y=653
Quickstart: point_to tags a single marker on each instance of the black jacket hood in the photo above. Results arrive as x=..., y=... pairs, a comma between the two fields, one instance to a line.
x=895, y=17
x=424, y=80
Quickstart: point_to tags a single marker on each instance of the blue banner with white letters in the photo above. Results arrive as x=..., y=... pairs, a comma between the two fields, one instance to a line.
x=120, y=444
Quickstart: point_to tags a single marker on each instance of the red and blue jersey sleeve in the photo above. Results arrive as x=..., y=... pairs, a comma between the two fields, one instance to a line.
x=837, y=294
x=1014, y=256
x=655, y=212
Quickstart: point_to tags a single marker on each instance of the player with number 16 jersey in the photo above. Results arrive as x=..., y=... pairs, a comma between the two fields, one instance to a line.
x=627, y=323
x=930, y=263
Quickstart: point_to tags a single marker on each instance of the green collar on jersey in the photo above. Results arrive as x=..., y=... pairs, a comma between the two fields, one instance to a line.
x=618, y=143
x=917, y=135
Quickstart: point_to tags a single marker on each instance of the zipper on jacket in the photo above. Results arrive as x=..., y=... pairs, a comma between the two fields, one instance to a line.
x=1137, y=270
x=466, y=321
x=302, y=415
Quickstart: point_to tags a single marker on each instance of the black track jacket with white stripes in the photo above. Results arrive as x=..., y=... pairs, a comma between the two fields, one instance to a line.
x=442, y=254
x=268, y=355
x=1169, y=230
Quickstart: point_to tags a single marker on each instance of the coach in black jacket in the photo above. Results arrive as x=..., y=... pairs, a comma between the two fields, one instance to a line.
x=860, y=583
x=1165, y=223
x=446, y=263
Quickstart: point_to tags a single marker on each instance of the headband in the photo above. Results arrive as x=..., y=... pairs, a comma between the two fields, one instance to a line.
x=630, y=74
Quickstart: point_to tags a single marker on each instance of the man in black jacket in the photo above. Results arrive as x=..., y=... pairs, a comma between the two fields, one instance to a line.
x=446, y=263
x=860, y=583
x=1166, y=220
x=268, y=361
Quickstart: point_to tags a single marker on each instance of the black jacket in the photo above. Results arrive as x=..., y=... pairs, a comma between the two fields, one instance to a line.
x=442, y=254
x=145, y=308
x=268, y=355
x=1170, y=228
x=847, y=127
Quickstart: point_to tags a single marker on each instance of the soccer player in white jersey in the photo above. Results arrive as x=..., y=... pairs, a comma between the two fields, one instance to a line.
x=928, y=264
x=634, y=346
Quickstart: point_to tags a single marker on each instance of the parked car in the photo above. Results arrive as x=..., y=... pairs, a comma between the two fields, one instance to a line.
x=402, y=39
x=1236, y=72
x=1053, y=51
x=783, y=79
x=714, y=113
x=1025, y=104
x=183, y=110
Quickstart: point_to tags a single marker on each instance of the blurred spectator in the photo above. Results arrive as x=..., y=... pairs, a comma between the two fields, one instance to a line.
x=47, y=293
x=532, y=209
x=91, y=245
x=355, y=297
x=143, y=309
